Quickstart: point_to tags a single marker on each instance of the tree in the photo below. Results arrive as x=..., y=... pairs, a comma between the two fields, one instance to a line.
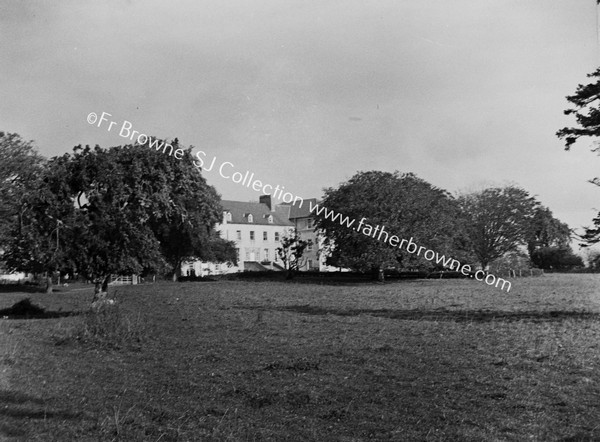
x=291, y=251
x=19, y=168
x=127, y=209
x=586, y=109
x=160, y=207
x=190, y=208
x=546, y=231
x=391, y=204
x=499, y=220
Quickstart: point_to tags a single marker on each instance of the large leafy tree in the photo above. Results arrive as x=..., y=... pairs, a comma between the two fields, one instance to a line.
x=499, y=220
x=546, y=231
x=184, y=226
x=163, y=205
x=133, y=210
x=394, y=204
x=20, y=165
x=586, y=109
x=114, y=205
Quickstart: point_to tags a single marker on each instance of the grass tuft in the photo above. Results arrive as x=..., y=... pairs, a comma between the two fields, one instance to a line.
x=105, y=326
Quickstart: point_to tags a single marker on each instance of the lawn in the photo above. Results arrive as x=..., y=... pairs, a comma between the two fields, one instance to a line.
x=273, y=360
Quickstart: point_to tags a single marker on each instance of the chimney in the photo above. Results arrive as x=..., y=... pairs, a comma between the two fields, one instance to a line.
x=266, y=199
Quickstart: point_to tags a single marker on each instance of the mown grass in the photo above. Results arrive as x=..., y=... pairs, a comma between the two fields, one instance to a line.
x=230, y=360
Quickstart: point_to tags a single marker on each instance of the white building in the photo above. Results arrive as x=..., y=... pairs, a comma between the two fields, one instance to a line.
x=256, y=229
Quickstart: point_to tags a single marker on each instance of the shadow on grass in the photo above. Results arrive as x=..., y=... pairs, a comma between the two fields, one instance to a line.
x=15, y=397
x=444, y=315
x=21, y=288
x=323, y=278
x=18, y=407
x=24, y=309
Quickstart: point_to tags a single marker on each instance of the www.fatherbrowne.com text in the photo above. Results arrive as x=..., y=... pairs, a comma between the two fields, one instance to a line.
x=379, y=233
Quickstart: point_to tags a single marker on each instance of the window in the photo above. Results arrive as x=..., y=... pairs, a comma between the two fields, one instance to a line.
x=270, y=220
x=266, y=254
x=309, y=223
x=310, y=264
x=309, y=247
x=265, y=236
x=228, y=216
x=237, y=253
x=251, y=235
x=250, y=218
x=276, y=236
x=247, y=255
x=238, y=234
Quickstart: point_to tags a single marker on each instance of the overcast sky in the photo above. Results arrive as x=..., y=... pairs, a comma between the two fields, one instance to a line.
x=305, y=93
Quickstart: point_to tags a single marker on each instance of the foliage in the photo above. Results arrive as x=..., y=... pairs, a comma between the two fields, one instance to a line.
x=499, y=220
x=115, y=203
x=556, y=258
x=593, y=259
x=586, y=101
x=511, y=261
x=291, y=251
x=41, y=233
x=401, y=205
x=546, y=231
x=190, y=209
x=19, y=168
x=586, y=109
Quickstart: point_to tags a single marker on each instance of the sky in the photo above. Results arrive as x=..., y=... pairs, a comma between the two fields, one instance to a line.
x=465, y=94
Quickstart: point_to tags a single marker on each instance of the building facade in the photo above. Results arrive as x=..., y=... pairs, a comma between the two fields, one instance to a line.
x=303, y=221
x=256, y=229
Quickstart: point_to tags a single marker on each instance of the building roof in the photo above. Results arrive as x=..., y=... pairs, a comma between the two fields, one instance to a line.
x=260, y=213
x=301, y=210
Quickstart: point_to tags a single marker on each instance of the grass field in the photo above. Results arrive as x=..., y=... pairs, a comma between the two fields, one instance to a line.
x=265, y=360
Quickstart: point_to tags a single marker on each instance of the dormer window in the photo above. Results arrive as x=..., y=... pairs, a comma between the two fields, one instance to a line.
x=250, y=218
x=270, y=220
x=228, y=216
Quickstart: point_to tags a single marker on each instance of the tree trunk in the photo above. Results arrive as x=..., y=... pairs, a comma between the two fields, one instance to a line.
x=49, y=283
x=377, y=273
x=105, y=284
x=100, y=289
x=176, y=271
